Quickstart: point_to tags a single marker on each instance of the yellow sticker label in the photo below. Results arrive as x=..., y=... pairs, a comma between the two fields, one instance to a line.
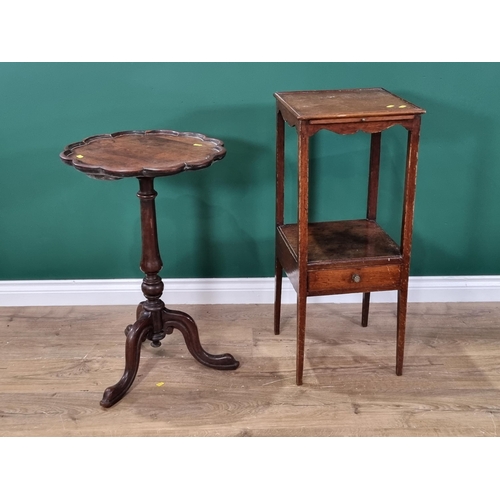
x=390, y=106
x=197, y=144
x=402, y=106
x=79, y=156
x=159, y=384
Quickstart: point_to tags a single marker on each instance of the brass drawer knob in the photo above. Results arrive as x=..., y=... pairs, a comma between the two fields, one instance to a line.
x=356, y=278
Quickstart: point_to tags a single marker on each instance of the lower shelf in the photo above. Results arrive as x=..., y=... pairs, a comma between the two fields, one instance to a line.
x=343, y=257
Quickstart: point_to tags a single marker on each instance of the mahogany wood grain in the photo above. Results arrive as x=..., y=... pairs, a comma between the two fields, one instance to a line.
x=146, y=155
x=280, y=193
x=339, y=250
x=345, y=103
x=339, y=257
x=344, y=242
x=354, y=279
x=376, y=139
x=371, y=212
x=406, y=236
x=302, y=245
x=142, y=153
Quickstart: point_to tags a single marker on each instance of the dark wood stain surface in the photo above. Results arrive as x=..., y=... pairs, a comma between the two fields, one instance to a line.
x=143, y=153
x=146, y=155
x=338, y=241
x=331, y=257
x=334, y=104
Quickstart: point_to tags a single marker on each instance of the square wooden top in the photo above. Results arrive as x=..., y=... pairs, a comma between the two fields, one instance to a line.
x=347, y=103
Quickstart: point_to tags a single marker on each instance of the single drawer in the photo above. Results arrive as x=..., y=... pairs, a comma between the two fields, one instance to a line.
x=355, y=279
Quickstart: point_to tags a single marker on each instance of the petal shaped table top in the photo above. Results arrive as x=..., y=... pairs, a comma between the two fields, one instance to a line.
x=151, y=153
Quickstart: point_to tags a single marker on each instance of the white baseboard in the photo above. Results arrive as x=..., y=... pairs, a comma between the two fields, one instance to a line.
x=232, y=291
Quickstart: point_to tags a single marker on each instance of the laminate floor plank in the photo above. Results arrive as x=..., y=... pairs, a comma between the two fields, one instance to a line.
x=55, y=363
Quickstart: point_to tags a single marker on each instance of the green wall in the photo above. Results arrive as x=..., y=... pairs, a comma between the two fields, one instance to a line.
x=56, y=223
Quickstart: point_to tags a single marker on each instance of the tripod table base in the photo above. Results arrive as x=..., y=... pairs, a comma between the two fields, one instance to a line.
x=143, y=329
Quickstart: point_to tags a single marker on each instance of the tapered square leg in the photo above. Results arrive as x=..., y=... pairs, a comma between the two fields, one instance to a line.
x=301, y=336
x=401, y=329
x=365, y=309
x=277, y=296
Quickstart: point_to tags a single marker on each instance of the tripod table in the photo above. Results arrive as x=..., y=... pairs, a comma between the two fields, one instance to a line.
x=146, y=155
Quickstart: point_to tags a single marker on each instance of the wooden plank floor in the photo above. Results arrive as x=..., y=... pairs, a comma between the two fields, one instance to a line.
x=55, y=363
